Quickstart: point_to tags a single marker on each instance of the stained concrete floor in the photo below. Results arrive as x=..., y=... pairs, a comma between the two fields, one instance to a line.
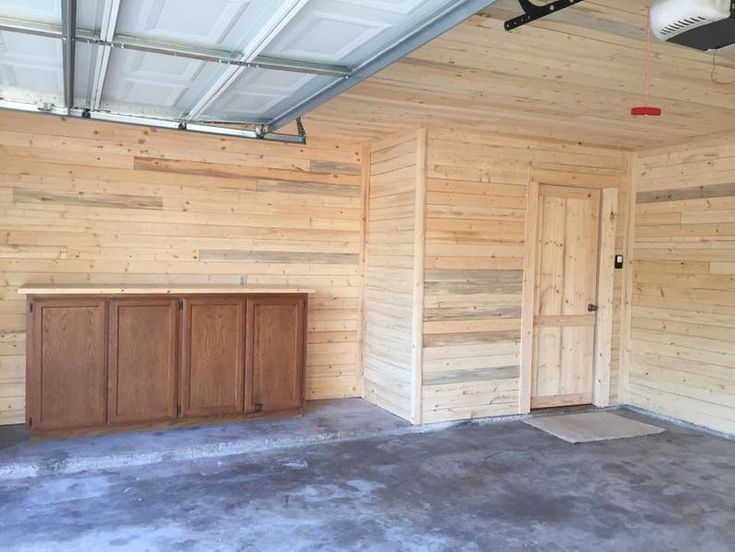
x=323, y=421
x=469, y=487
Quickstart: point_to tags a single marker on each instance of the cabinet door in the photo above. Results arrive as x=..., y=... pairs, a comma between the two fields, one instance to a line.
x=142, y=361
x=275, y=352
x=213, y=356
x=67, y=376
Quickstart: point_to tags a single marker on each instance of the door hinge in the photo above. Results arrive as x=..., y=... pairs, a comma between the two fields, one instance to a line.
x=30, y=307
x=178, y=410
x=30, y=421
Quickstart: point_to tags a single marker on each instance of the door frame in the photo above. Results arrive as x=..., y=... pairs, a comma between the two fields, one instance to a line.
x=605, y=282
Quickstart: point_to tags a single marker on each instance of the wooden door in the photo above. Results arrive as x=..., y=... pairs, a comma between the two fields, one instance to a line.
x=565, y=294
x=143, y=350
x=67, y=376
x=275, y=352
x=213, y=359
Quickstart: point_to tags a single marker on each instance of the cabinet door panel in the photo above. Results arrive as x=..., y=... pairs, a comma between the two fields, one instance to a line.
x=275, y=352
x=67, y=377
x=213, y=356
x=143, y=351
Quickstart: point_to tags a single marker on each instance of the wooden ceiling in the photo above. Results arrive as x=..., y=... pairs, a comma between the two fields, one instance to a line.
x=572, y=76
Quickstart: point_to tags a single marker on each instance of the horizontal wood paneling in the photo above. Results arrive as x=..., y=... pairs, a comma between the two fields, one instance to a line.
x=682, y=360
x=573, y=76
x=475, y=225
x=389, y=274
x=84, y=202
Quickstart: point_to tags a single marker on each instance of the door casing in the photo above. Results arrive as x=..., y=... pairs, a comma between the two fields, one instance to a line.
x=605, y=276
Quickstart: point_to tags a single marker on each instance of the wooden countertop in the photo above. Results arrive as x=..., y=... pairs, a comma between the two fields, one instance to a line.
x=149, y=289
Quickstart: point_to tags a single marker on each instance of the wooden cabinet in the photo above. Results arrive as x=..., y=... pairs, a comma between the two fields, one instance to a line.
x=67, y=378
x=146, y=359
x=143, y=352
x=213, y=356
x=275, y=352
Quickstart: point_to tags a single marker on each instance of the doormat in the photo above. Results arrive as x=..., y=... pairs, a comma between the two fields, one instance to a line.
x=593, y=426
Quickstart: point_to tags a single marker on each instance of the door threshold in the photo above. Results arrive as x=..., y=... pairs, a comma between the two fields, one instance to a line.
x=570, y=409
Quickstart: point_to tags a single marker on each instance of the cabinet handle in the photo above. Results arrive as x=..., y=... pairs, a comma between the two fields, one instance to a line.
x=592, y=308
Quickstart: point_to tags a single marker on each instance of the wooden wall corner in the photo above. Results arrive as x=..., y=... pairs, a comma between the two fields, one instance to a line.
x=364, y=205
x=527, y=301
x=417, y=345
x=627, y=292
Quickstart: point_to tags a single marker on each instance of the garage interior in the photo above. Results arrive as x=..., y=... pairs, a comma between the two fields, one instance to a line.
x=360, y=274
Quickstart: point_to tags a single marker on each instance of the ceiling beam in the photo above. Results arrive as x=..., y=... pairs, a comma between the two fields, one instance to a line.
x=257, y=45
x=68, y=35
x=107, y=33
x=448, y=18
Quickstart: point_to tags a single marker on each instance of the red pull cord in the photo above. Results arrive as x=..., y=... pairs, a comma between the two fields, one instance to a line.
x=646, y=110
x=647, y=65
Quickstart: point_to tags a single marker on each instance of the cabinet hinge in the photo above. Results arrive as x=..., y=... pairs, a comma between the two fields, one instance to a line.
x=178, y=410
x=180, y=304
x=30, y=307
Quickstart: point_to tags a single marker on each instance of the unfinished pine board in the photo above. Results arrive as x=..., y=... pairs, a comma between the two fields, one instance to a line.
x=476, y=204
x=389, y=343
x=605, y=296
x=566, y=283
x=622, y=384
x=619, y=184
x=570, y=76
x=528, y=298
x=103, y=204
x=682, y=345
x=81, y=289
x=417, y=337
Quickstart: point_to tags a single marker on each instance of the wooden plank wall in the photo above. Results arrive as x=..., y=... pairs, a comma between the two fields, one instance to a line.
x=475, y=218
x=84, y=202
x=389, y=274
x=547, y=83
x=682, y=348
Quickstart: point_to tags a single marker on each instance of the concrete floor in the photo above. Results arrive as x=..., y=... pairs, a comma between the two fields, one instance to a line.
x=323, y=421
x=468, y=487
